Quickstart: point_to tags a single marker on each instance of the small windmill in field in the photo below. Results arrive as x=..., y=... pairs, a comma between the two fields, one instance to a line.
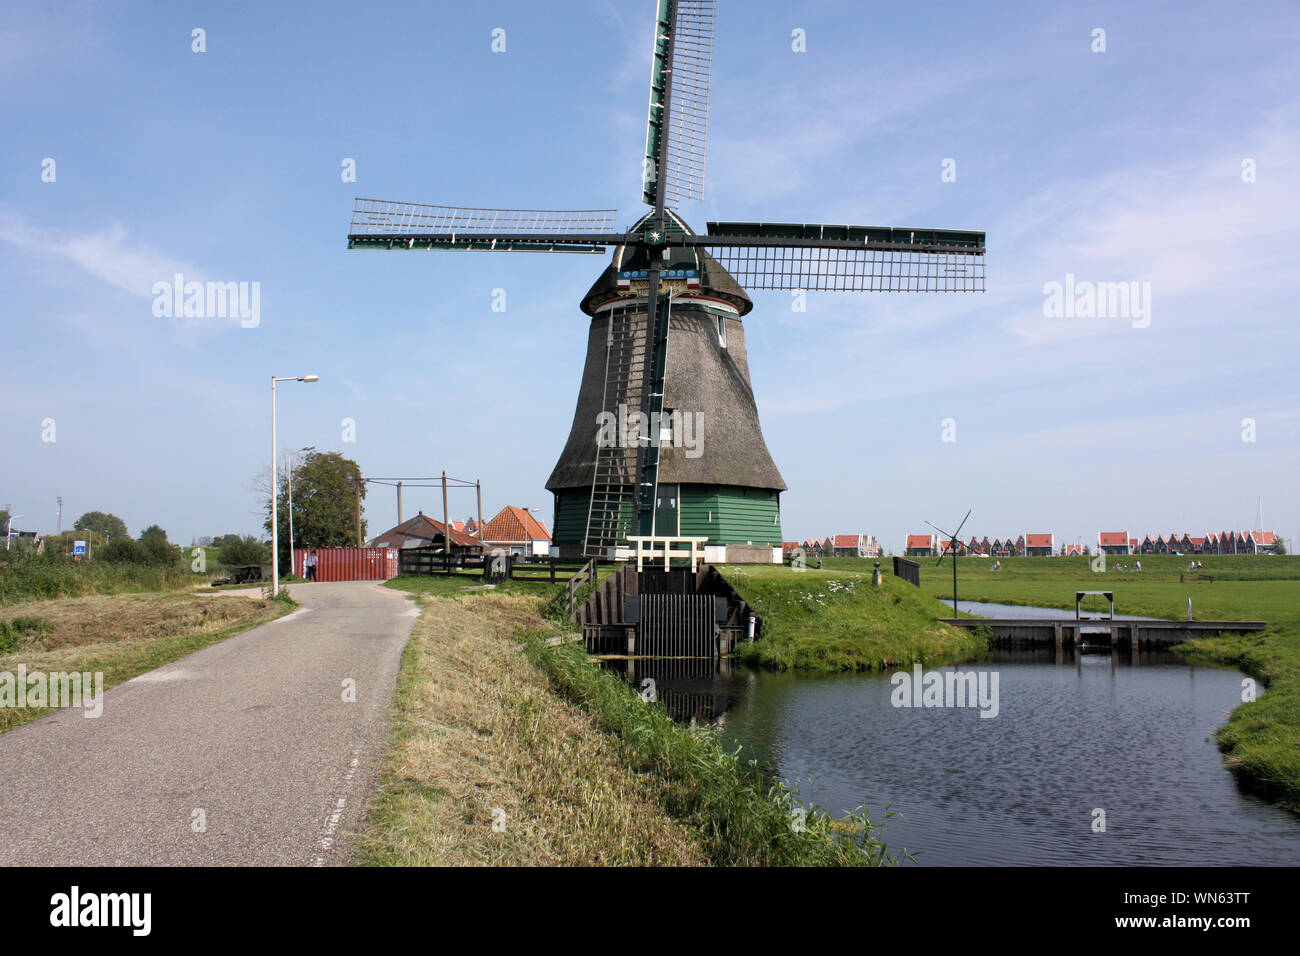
x=666, y=346
x=954, y=542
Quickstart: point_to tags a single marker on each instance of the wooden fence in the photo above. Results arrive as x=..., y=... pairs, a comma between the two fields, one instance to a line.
x=908, y=570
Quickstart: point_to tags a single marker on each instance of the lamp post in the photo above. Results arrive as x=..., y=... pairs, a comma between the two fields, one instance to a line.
x=275, y=511
x=292, y=464
x=9, y=532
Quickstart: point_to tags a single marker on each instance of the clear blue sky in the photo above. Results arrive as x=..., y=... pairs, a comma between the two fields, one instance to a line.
x=225, y=165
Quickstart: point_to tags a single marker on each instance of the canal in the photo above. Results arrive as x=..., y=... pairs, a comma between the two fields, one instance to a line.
x=1074, y=734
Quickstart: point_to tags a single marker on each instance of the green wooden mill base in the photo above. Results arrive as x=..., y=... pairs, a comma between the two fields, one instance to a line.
x=746, y=520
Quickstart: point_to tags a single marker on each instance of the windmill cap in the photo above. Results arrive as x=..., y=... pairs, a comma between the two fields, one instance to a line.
x=714, y=281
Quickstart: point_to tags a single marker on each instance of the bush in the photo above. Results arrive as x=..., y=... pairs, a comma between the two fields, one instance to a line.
x=158, y=552
x=123, y=551
x=245, y=550
x=153, y=551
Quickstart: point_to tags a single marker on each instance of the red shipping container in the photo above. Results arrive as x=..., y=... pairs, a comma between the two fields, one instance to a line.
x=348, y=564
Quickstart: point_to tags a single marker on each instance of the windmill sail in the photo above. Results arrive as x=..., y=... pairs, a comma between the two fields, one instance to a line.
x=378, y=223
x=847, y=258
x=681, y=68
x=666, y=278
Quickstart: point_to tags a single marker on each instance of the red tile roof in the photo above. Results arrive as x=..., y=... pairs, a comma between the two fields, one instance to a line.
x=514, y=524
x=920, y=541
x=1114, y=538
x=418, y=531
x=846, y=541
x=1038, y=540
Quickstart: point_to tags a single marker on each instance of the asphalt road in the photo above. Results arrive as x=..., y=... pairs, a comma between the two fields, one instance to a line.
x=254, y=732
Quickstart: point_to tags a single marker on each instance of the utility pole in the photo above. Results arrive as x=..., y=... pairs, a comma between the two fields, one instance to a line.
x=446, y=526
x=399, y=502
x=60, y=500
x=357, y=485
x=478, y=488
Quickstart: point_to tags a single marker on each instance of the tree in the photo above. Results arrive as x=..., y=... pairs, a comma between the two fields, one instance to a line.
x=1278, y=546
x=153, y=531
x=105, y=525
x=324, y=504
x=244, y=551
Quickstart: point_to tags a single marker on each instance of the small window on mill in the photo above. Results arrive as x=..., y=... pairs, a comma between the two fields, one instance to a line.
x=722, y=331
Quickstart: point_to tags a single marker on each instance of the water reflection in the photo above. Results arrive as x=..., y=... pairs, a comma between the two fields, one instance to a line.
x=1077, y=730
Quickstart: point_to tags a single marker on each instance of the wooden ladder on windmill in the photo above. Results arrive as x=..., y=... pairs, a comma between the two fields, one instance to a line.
x=613, y=490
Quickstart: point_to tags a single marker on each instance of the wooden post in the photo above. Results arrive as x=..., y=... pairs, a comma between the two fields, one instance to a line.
x=399, y=502
x=358, y=492
x=478, y=488
x=446, y=528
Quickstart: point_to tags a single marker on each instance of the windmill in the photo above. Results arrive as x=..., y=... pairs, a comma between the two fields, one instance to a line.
x=666, y=348
x=954, y=542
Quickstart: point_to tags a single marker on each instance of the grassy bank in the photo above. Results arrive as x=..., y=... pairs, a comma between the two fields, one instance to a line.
x=491, y=719
x=739, y=820
x=43, y=577
x=1261, y=740
x=121, y=636
x=833, y=619
x=478, y=738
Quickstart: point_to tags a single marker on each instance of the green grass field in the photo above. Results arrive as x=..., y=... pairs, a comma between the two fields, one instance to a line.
x=833, y=619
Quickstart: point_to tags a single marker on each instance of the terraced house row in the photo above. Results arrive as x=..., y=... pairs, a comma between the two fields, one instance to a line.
x=1225, y=542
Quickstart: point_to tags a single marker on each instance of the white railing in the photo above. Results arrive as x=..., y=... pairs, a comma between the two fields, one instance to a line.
x=651, y=548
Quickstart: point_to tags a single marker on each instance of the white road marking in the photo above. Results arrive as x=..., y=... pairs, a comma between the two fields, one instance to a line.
x=326, y=842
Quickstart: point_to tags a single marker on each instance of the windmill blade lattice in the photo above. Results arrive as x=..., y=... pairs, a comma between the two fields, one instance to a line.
x=847, y=258
x=689, y=111
x=386, y=224
x=850, y=270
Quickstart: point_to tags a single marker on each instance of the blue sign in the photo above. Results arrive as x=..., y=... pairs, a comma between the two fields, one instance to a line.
x=78, y=547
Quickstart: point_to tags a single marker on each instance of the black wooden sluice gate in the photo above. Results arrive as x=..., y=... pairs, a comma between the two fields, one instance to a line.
x=666, y=613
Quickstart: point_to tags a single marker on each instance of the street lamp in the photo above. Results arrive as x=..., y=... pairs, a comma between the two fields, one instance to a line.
x=292, y=463
x=9, y=532
x=275, y=513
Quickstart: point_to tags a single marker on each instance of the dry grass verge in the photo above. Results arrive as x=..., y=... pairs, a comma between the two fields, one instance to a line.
x=478, y=738
x=122, y=635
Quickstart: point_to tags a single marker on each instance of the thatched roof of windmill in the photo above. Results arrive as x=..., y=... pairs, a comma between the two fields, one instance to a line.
x=702, y=376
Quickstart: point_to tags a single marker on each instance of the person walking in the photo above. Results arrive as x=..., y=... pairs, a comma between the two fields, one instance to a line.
x=310, y=564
